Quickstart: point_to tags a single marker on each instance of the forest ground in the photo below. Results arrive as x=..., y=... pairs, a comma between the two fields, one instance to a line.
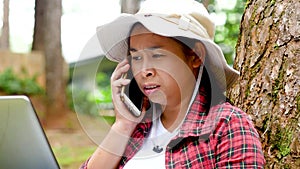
x=70, y=143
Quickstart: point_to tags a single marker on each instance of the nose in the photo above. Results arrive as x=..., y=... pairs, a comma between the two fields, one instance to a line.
x=149, y=72
x=147, y=68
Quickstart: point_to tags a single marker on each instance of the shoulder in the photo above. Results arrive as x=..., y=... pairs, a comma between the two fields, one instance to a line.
x=236, y=138
x=228, y=112
x=231, y=118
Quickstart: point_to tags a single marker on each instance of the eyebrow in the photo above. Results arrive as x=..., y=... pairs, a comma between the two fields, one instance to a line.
x=150, y=48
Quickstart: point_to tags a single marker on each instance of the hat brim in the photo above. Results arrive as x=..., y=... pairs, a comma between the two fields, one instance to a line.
x=113, y=38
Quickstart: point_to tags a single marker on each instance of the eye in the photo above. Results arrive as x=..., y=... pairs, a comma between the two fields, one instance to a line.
x=136, y=57
x=158, y=55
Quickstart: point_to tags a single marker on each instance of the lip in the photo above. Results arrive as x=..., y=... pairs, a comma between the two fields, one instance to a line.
x=150, y=88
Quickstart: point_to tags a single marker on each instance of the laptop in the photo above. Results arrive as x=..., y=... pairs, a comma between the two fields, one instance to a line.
x=23, y=143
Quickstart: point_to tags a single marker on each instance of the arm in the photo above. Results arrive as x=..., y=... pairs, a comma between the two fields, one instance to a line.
x=110, y=151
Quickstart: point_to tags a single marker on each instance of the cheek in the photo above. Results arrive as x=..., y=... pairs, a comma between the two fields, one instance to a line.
x=138, y=79
x=169, y=82
x=137, y=67
x=180, y=79
x=133, y=67
x=180, y=73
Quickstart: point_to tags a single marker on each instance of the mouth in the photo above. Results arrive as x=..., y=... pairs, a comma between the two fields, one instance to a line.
x=149, y=89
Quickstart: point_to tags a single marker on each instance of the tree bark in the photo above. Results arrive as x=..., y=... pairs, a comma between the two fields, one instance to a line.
x=268, y=58
x=55, y=76
x=4, y=38
x=39, y=26
x=205, y=3
x=130, y=6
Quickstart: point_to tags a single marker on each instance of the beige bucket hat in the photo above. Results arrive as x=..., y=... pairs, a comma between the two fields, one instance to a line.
x=170, y=18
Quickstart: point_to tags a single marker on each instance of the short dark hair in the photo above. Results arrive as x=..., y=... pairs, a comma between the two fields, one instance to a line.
x=215, y=92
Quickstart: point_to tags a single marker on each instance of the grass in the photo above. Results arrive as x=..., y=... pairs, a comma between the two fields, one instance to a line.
x=109, y=119
x=73, y=147
x=72, y=157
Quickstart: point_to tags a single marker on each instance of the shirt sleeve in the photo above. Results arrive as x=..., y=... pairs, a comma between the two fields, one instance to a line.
x=238, y=142
x=84, y=165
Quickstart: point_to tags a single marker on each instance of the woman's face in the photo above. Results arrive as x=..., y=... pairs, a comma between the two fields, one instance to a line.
x=162, y=70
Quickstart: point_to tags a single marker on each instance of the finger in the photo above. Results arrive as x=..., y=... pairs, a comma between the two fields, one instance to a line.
x=117, y=74
x=122, y=63
x=117, y=84
x=120, y=82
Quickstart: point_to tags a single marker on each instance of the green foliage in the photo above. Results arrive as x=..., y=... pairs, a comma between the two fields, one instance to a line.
x=88, y=101
x=103, y=83
x=70, y=156
x=298, y=103
x=81, y=100
x=226, y=35
x=281, y=135
x=273, y=2
x=283, y=141
x=10, y=83
x=109, y=119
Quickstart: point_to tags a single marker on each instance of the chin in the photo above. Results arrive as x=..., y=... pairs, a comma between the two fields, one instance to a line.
x=158, y=97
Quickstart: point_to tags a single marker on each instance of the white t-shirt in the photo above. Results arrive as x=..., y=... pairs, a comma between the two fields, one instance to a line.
x=146, y=158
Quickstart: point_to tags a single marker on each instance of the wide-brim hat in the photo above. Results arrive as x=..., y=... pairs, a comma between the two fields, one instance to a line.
x=189, y=19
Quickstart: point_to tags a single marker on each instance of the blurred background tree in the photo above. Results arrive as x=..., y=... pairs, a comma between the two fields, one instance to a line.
x=47, y=38
x=4, y=38
x=130, y=6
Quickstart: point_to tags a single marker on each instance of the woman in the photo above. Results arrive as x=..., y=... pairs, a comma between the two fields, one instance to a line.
x=183, y=75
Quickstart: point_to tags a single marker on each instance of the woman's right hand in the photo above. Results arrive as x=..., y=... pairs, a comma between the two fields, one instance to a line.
x=125, y=121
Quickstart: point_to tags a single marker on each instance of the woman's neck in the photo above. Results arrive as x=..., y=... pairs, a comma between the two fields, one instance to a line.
x=175, y=111
x=173, y=116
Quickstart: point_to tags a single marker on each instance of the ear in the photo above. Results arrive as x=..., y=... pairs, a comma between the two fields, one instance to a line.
x=200, y=51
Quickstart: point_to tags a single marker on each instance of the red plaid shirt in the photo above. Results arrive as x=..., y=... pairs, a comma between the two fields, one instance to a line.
x=222, y=138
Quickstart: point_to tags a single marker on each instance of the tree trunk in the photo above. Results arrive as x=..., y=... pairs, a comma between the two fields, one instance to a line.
x=205, y=3
x=55, y=76
x=39, y=26
x=4, y=38
x=268, y=58
x=130, y=6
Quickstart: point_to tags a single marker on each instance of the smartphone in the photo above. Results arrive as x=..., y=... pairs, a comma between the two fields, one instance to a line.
x=132, y=97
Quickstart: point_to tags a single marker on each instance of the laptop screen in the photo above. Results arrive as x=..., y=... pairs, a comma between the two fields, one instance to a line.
x=23, y=143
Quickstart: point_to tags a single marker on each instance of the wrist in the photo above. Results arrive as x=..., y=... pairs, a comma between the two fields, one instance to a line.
x=123, y=128
x=115, y=141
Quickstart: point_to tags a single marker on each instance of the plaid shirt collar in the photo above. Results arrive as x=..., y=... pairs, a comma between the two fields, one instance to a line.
x=201, y=118
x=195, y=117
